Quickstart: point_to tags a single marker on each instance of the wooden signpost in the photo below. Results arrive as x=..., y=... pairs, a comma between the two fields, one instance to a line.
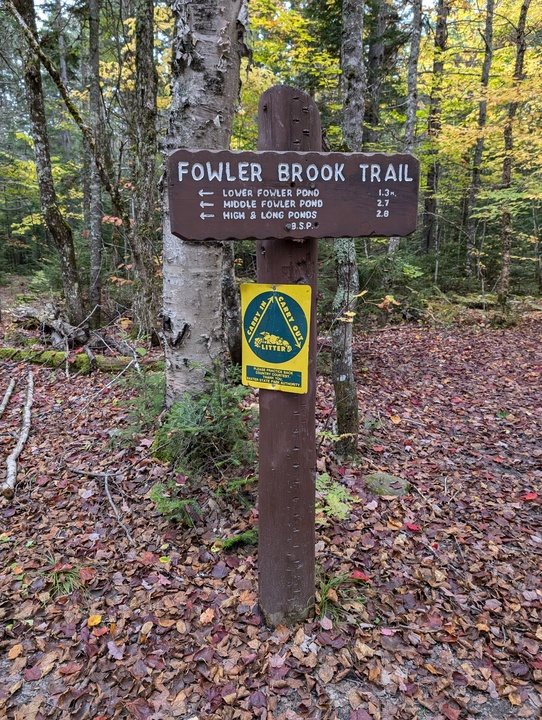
x=287, y=195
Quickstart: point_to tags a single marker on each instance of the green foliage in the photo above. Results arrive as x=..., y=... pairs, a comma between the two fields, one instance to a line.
x=332, y=500
x=249, y=537
x=171, y=505
x=62, y=578
x=209, y=433
x=144, y=404
x=339, y=598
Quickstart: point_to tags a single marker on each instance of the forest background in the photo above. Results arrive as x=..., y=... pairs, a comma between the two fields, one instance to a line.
x=476, y=131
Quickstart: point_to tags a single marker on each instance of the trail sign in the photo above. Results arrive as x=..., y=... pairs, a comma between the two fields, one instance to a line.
x=224, y=195
x=276, y=324
x=288, y=190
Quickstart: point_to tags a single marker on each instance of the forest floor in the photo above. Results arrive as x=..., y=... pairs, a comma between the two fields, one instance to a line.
x=135, y=617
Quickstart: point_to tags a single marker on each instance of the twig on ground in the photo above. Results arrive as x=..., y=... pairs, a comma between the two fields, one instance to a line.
x=109, y=384
x=11, y=477
x=105, y=477
x=7, y=395
x=114, y=507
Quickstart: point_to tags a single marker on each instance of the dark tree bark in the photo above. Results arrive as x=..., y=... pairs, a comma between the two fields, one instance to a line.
x=474, y=189
x=375, y=67
x=430, y=202
x=412, y=92
x=102, y=159
x=507, y=230
x=146, y=191
x=95, y=195
x=344, y=383
x=54, y=219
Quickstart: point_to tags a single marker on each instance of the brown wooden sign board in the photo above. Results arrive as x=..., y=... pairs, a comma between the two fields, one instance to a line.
x=238, y=195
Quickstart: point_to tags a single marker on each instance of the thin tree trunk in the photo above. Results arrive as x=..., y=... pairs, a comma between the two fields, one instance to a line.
x=66, y=136
x=54, y=219
x=95, y=215
x=470, y=221
x=145, y=194
x=430, y=202
x=344, y=383
x=507, y=230
x=374, y=77
x=412, y=94
x=207, y=48
x=101, y=154
x=412, y=77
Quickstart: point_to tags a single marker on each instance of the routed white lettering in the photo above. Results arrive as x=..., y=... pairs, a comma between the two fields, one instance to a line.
x=390, y=173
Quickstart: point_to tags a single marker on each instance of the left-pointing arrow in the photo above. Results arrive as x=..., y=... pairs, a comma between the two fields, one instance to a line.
x=203, y=216
x=204, y=204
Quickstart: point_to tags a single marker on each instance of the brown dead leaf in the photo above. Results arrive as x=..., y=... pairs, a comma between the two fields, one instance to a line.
x=326, y=673
x=15, y=651
x=207, y=616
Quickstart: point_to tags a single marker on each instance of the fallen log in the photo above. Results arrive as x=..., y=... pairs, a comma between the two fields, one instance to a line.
x=50, y=323
x=80, y=363
x=8, y=486
x=7, y=395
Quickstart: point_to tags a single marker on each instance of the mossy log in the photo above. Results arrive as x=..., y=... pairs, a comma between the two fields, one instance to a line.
x=79, y=363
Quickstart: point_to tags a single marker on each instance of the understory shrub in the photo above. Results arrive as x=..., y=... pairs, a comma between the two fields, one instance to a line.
x=210, y=433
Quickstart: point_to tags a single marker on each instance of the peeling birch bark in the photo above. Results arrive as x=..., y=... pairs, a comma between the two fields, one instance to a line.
x=7, y=395
x=8, y=485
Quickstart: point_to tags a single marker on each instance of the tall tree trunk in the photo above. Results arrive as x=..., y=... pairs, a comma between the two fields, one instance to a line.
x=95, y=195
x=66, y=135
x=54, y=219
x=470, y=221
x=207, y=48
x=344, y=384
x=146, y=146
x=374, y=77
x=101, y=154
x=503, y=289
x=430, y=202
x=412, y=93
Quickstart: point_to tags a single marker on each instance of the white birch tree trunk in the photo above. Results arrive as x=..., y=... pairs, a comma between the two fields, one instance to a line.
x=207, y=50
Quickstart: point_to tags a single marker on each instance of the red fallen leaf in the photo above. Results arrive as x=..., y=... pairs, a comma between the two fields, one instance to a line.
x=140, y=709
x=387, y=631
x=33, y=673
x=148, y=558
x=359, y=575
x=411, y=526
x=86, y=574
x=530, y=496
x=450, y=712
x=69, y=669
x=378, y=448
x=98, y=632
x=456, y=400
x=78, y=351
